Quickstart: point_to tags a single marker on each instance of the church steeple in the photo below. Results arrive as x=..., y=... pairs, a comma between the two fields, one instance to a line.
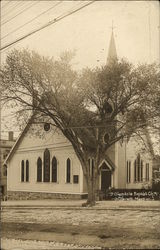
x=112, y=53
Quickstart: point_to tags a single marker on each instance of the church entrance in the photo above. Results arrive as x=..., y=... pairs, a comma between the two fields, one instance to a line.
x=105, y=177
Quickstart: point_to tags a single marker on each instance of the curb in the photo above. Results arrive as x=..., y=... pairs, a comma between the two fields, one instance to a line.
x=157, y=208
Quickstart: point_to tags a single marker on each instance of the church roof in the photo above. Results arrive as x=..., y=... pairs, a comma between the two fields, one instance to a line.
x=112, y=53
x=108, y=162
x=19, y=139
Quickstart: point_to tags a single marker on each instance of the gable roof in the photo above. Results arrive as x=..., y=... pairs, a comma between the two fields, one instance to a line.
x=19, y=139
x=108, y=162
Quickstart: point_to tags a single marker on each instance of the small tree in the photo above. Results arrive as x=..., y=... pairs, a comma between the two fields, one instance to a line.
x=93, y=109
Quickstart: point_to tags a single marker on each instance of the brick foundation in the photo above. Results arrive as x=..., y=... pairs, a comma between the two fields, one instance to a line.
x=19, y=195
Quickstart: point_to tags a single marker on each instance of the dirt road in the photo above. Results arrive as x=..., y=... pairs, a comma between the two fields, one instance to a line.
x=134, y=229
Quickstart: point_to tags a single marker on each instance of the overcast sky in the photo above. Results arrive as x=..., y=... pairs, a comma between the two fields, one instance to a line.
x=87, y=31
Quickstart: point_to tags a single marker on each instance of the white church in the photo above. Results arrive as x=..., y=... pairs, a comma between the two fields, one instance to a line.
x=47, y=166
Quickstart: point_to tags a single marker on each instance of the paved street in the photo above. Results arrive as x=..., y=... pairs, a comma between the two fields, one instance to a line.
x=117, y=224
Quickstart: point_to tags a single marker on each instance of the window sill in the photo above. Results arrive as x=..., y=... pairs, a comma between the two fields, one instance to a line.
x=50, y=182
x=24, y=181
x=138, y=182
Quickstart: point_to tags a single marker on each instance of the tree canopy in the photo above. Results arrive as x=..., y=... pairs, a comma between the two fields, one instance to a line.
x=93, y=109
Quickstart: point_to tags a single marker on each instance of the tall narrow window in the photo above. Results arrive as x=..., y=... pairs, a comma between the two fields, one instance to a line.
x=68, y=171
x=138, y=168
x=89, y=166
x=54, y=169
x=135, y=171
x=92, y=167
x=141, y=171
x=22, y=170
x=147, y=171
x=46, y=166
x=39, y=170
x=27, y=170
x=128, y=171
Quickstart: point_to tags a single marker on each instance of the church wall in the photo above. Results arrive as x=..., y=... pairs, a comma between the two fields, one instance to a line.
x=14, y=173
x=111, y=154
x=121, y=166
x=133, y=148
x=30, y=149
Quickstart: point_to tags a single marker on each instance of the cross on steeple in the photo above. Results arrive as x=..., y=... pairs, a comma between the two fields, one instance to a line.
x=112, y=27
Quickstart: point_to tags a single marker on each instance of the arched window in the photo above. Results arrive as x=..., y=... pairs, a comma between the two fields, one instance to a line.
x=68, y=171
x=22, y=170
x=141, y=170
x=128, y=171
x=135, y=170
x=39, y=170
x=46, y=166
x=147, y=171
x=54, y=169
x=27, y=170
x=139, y=167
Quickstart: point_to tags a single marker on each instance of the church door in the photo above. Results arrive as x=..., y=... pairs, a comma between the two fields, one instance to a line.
x=105, y=178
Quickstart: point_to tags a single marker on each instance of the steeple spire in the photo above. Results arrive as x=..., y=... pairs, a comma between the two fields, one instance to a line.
x=112, y=53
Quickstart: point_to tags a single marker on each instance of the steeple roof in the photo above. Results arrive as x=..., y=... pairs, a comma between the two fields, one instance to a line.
x=112, y=53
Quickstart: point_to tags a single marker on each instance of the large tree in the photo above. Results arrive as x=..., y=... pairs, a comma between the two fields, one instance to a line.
x=93, y=109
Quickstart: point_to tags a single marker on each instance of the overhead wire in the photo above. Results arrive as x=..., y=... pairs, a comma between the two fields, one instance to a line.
x=21, y=26
x=55, y=20
x=4, y=5
x=30, y=6
x=4, y=14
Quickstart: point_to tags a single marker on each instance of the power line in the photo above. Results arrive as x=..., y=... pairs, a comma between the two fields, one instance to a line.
x=13, y=8
x=21, y=12
x=56, y=18
x=3, y=6
x=46, y=25
x=44, y=12
x=92, y=127
x=16, y=42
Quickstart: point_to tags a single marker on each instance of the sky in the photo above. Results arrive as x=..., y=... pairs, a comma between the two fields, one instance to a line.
x=87, y=32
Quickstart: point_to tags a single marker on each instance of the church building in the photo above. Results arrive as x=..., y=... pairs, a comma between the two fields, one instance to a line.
x=46, y=166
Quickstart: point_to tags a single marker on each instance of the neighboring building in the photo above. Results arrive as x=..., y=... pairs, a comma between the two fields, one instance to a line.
x=156, y=167
x=5, y=147
x=46, y=166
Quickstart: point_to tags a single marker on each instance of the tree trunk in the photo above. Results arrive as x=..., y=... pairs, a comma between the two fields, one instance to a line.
x=91, y=192
x=92, y=182
x=92, y=185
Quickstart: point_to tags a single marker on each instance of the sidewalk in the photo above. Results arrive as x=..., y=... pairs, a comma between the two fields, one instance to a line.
x=77, y=204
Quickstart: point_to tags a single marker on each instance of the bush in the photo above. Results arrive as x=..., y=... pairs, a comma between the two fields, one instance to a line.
x=156, y=185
